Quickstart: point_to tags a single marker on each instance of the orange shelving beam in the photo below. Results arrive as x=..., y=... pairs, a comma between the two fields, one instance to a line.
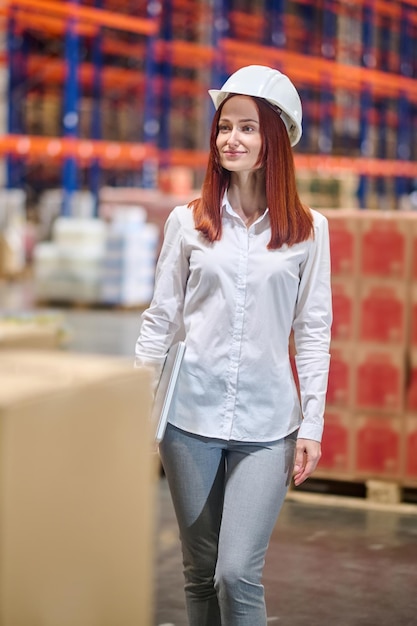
x=182, y=53
x=357, y=165
x=54, y=25
x=116, y=154
x=88, y=15
x=311, y=70
x=122, y=155
x=318, y=162
x=25, y=20
x=52, y=70
x=382, y=7
x=186, y=54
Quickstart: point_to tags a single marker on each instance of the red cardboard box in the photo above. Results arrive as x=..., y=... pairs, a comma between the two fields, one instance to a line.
x=379, y=378
x=337, y=442
x=382, y=311
x=384, y=244
x=344, y=308
x=339, y=389
x=343, y=241
x=377, y=446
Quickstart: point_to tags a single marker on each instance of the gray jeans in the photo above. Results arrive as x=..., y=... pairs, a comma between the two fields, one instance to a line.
x=227, y=496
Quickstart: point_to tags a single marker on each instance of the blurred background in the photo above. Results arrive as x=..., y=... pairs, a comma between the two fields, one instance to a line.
x=105, y=118
x=104, y=108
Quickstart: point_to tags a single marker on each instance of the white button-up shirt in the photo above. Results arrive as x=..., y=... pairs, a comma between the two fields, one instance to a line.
x=236, y=302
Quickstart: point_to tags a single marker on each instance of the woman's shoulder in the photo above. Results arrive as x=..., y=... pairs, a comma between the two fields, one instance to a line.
x=320, y=223
x=183, y=213
x=318, y=217
x=180, y=220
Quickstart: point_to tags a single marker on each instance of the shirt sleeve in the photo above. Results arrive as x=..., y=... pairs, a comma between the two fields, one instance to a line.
x=162, y=321
x=312, y=324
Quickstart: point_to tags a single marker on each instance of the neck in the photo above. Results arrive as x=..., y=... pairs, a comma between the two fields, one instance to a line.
x=247, y=195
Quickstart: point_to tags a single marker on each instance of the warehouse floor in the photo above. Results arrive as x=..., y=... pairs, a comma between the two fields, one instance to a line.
x=331, y=562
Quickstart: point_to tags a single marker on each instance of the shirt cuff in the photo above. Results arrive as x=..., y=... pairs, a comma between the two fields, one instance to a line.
x=310, y=431
x=155, y=364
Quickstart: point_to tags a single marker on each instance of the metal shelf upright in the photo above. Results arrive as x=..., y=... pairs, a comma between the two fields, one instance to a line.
x=71, y=114
x=404, y=134
x=328, y=51
x=166, y=71
x=275, y=24
x=151, y=123
x=96, y=118
x=381, y=108
x=221, y=29
x=17, y=62
x=368, y=60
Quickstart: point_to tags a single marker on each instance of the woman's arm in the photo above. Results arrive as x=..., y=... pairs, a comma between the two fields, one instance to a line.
x=162, y=321
x=312, y=324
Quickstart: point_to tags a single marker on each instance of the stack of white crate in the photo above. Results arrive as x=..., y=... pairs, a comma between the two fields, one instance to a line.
x=89, y=260
x=70, y=267
x=130, y=258
x=12, y=231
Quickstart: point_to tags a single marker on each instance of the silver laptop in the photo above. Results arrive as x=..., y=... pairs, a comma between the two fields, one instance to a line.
x=166, y=387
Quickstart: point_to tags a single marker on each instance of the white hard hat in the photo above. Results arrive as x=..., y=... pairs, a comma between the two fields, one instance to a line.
x=273, y=86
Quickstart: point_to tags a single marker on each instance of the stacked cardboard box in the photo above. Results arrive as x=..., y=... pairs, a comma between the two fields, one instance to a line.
x=371, y=415
x=410, y=428
x=338, y=437
x=69, y=268
x=98, y=261
x=32, y=331
x=327, y=190
x=130, y=259
x=156, y=203
x=12, y=232
x=381, y=343
x=76, y=491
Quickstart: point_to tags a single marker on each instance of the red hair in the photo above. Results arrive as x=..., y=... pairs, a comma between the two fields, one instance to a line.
x=291, y=221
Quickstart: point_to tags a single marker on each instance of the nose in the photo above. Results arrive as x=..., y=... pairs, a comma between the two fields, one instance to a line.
x=233, y=138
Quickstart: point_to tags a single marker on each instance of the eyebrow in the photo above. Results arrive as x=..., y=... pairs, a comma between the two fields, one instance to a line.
x=242, y=121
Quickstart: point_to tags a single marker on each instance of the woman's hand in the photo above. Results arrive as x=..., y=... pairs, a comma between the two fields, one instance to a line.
x=307, y=455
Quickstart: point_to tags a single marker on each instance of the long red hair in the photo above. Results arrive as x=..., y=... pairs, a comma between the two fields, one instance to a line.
x=291, y=221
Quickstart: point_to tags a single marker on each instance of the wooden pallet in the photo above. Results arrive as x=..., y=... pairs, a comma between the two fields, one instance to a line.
x=368, y=494
x=88, y=306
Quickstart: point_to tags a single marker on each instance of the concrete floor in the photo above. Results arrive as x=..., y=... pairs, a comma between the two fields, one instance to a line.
x=331, y=562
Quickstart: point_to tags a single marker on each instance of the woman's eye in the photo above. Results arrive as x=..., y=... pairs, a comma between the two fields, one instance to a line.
x=225, y=128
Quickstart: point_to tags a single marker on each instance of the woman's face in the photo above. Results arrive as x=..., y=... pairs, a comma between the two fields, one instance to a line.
x=238, y=138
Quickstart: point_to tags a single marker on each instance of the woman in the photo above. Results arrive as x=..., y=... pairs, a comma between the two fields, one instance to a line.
x=240, y=268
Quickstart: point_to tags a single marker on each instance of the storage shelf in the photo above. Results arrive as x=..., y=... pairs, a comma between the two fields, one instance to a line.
x=142, y=80
x=87, y=15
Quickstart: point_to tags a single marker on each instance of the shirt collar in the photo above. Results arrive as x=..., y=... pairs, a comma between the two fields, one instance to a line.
x=226, y=206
